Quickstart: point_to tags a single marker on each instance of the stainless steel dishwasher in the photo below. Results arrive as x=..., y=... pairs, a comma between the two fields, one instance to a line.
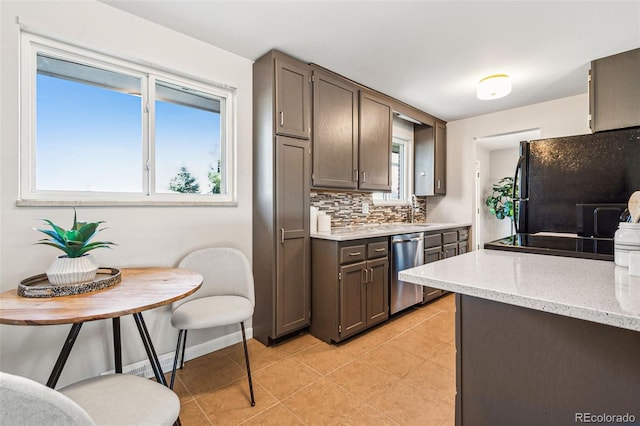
x=407, y=251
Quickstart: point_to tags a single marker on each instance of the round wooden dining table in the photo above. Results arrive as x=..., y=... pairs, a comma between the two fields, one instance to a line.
x=140, y=289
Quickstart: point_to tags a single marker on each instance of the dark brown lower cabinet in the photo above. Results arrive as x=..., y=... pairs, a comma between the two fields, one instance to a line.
x=350, y=286
x=440, y=245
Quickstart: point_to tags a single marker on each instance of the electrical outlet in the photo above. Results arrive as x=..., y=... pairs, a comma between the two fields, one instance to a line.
x=365, y=208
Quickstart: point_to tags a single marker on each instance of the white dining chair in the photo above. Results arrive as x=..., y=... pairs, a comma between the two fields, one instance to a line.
x=114, y=399
x=225, y=298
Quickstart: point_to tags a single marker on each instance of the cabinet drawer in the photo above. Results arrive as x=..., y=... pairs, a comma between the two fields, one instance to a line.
x=433, y=240
x=432, y=254
x=379, y=249
x=449, y=237
x=352, y=254
x=463, y=235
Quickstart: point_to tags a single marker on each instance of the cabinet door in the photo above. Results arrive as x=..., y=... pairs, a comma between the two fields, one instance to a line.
x=423, y=160
x=376, y=118
x=293, y=98
x=450, y=250
x=431, y=293
x=292, y=227
x=614, y=92
x=377, y=290
x=353, y=316
x=440, y=170
x=463, y=247
x=335, y=132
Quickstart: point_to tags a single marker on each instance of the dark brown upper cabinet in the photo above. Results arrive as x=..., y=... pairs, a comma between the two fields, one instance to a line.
x=430, y=159
x=376, y=118
x=351, y=135
x=293, y=98
x=335, y=131
x=614, y=92
x=440, y=165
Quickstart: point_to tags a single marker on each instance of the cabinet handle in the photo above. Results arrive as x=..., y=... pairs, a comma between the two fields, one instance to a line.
x=371, y=276
x=380, y=249
x=438, y=183
x=282, y=235
x=364, y=276
x=364, y=177
x=357, y=253
x=282, y=119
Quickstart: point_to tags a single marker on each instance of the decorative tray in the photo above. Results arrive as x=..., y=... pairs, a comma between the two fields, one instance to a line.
x=39, y=285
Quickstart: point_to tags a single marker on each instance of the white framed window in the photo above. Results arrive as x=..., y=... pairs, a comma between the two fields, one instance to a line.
x=98, y=130
x=401, y=166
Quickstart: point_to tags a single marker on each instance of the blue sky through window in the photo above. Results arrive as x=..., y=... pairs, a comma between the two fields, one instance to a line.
x=89, y=138
x=188, y=137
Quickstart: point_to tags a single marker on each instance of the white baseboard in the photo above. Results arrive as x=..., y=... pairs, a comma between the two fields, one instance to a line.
x=143, y=368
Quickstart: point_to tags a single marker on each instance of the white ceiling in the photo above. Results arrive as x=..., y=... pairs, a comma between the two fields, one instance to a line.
x=429, y=54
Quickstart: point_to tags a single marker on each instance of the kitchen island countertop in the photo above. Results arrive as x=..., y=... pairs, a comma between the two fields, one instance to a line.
x=592, y=290
x=348, y=233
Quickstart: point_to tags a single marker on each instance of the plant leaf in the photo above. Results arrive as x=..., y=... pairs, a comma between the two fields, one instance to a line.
x=58, y=246
x=88, y=230
x=95, y=245
x=60, y=231
x=54, y=235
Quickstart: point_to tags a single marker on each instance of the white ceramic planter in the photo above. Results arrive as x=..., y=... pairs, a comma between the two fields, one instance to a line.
x=65, y=270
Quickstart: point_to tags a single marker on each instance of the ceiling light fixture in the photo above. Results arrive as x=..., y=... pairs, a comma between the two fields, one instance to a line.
x=494, y=87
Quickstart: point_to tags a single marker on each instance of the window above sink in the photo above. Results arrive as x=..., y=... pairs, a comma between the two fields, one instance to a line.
x=401, y=166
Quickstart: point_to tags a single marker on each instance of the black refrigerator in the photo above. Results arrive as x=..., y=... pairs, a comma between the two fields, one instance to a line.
x=569, y=193
x=561, y=181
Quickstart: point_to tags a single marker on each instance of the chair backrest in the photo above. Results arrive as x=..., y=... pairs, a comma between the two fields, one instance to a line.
x=26, y=402
x=226, y=272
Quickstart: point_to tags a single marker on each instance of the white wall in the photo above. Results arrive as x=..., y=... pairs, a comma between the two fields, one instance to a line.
x=145, y=235
x=561, y=117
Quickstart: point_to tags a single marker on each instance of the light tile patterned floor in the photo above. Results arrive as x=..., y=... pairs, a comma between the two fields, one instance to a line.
x=400, y=373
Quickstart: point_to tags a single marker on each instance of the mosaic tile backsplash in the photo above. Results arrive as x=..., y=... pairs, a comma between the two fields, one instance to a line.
x=345, y=209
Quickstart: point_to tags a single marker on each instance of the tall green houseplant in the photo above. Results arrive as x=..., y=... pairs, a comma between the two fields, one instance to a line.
x=500, y=201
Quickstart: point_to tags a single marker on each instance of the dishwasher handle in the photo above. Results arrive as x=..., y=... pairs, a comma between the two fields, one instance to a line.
x=407, y=240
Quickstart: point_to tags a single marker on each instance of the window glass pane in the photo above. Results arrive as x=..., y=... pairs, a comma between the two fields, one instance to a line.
x=188, y=141
x=397, y=171
x=88, y=135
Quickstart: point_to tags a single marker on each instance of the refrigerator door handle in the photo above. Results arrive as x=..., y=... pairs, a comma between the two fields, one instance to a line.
x=516, y=201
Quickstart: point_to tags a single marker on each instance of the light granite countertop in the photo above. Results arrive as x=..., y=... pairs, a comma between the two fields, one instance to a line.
x=347, y=233
x=592, y=290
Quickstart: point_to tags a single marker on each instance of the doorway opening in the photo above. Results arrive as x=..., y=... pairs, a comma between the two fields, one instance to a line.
x=496, y=158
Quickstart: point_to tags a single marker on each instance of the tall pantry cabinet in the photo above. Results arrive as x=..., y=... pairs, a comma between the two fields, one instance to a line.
x=281, y=176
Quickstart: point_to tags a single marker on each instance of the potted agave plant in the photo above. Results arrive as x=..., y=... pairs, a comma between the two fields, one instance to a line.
x=76, y=265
